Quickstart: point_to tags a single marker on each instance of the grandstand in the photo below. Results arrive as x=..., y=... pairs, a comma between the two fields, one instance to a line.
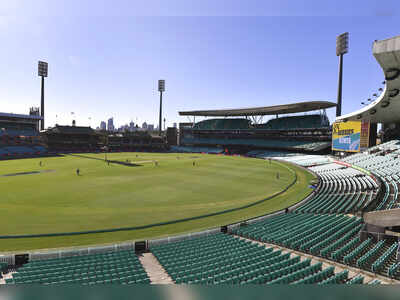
x=75, y=139
x=235, y=131
x=134, y=141
x=359, y=186
x=121, y=267
x=296, y=122
x=304, y=160
x=222, y=124
x=188, y=149
x=19, y=135
x=334, y=237
x=224, y=259
x=62, y=139
x=384, y=164
x=341, y=190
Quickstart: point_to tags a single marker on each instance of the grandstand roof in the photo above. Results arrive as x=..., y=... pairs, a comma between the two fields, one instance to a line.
x=19, y=116
x=262, y=111
x=386, y=107
x=71, y=130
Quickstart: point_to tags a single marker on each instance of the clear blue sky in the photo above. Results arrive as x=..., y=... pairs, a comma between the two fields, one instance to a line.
x=105, y=59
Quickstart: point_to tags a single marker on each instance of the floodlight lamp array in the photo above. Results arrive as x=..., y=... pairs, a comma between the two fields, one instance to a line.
x=342, y=44
x=42, y=68
x=161, y=85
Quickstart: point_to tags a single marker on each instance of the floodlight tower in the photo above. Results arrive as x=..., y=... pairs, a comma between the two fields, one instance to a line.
x=342, y=47
x=161, y=89
x=42, y=72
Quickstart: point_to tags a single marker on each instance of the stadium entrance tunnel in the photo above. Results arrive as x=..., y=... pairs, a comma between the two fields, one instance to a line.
x=21, y=259
x=382, y=224
x=141, y=246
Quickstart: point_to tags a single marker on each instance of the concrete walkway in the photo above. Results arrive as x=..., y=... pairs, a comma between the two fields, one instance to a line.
x=154, y=270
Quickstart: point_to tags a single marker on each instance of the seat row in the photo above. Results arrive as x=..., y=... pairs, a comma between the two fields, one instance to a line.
x=335, y=237
x=121, y=267
x=225, y=259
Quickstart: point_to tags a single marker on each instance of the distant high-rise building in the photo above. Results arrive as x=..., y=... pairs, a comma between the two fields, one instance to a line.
x=131, y=126
x=123, y=128
x=150, y=127
x=110, y=124
x=103, y=125
x=144, y=125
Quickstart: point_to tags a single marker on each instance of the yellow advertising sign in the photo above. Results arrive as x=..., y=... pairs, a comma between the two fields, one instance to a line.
x=346, y=136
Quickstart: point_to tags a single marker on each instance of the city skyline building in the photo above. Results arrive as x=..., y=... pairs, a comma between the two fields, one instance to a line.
x=110, y=124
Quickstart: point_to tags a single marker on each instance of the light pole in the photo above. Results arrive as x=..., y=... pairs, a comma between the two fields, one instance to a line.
x=42, y=72
x=161, y=89
x=342, y=47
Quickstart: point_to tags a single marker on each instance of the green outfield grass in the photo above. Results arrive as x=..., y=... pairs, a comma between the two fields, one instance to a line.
x=111, y=196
